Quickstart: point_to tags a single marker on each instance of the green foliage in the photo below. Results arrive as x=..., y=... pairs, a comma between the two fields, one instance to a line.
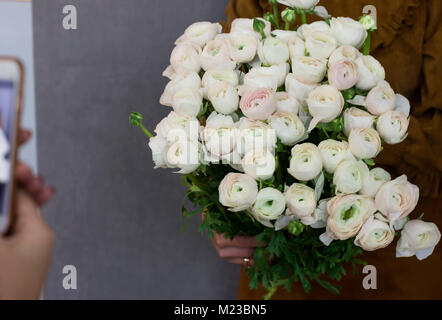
x=301, y=258
x=288, y=256
x=331, y=130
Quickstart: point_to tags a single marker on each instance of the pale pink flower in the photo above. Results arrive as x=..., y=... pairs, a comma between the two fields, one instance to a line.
x=343, y=75
x=258, y=104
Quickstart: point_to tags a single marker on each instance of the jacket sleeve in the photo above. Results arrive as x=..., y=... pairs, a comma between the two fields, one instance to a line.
x=423, y=156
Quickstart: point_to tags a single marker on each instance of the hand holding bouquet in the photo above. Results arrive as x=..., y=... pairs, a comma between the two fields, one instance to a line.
x=275, y=132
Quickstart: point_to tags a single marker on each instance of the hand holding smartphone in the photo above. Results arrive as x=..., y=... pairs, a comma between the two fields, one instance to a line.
x=11, y=101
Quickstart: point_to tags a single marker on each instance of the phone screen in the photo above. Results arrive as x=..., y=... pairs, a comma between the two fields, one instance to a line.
x=7, y=108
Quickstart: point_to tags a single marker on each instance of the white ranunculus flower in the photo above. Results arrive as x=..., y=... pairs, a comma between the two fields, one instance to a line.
x=269, y=204
x=308, y=69
x=322, y=12
x=343, y=75
x=298, y=89
x=184, y=154
x=380, y=99
x=284, y=35
x=285, y=102
x=306, y=30
x=320, y=44
x=243, y=47
x=365, y=143
x=158, y=145
x=325, y=103
x=396, y=199
x=306, y=162
x=245, y=25
x=300, y=200
x=187, y=101
x=374, y=181
x=216, y=55
x=349, y=176
x=200, y=33
x=402, y=104
x=347, y=215
x=185, y=58
x=273, y=51
x=320, y=216
x=219, y=136
x=189, y=80
x=344, y=53
x=418, y=238
x=254, y=135
x=357, y=100
x=333, y=153
x=215, y=78
x=400, y=223
x=259, y=164
x=175, y=125
x=265, y=77
x=296, y=46
x=348, y=31
x=393, y=126
x=300, y=4
x=224, y=98
x=371, y=72
x=355, y=118
x=237, y=191
x=289, y=128
x=375, y=234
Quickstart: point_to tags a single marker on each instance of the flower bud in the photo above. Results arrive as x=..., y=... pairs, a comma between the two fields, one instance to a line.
x=259, y=26
x=288, y=15
x=368, y=22
x=295, y=227
x=269, y=17
x=135, y=119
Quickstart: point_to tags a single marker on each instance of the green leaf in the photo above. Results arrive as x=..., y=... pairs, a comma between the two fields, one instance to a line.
x=370, y=162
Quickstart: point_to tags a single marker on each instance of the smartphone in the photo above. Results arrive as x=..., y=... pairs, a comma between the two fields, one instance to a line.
x=11, y=100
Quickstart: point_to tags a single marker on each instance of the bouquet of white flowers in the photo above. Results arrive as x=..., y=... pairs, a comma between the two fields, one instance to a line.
x=275, y=131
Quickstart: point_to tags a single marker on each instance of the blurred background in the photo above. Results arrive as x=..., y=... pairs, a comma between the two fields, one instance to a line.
x=117, y=220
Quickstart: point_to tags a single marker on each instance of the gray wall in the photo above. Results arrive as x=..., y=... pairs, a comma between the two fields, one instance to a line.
x=116, y=218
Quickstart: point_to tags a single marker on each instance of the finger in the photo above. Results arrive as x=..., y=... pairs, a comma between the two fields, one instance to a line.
x=35, y=185
x=215, y=244
x=240, y=261
x=23, y=173
x=238, y=241
x=27, y=217
x=45, y=195
x=232, y=252
x=24, y=136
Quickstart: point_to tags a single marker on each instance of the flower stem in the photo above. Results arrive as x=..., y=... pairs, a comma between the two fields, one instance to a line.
x=146, y=132
x=276, y=15
x=136, y=120
x=287, y=25
x=304, y=17
x=271, y=291
x=367, y=44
